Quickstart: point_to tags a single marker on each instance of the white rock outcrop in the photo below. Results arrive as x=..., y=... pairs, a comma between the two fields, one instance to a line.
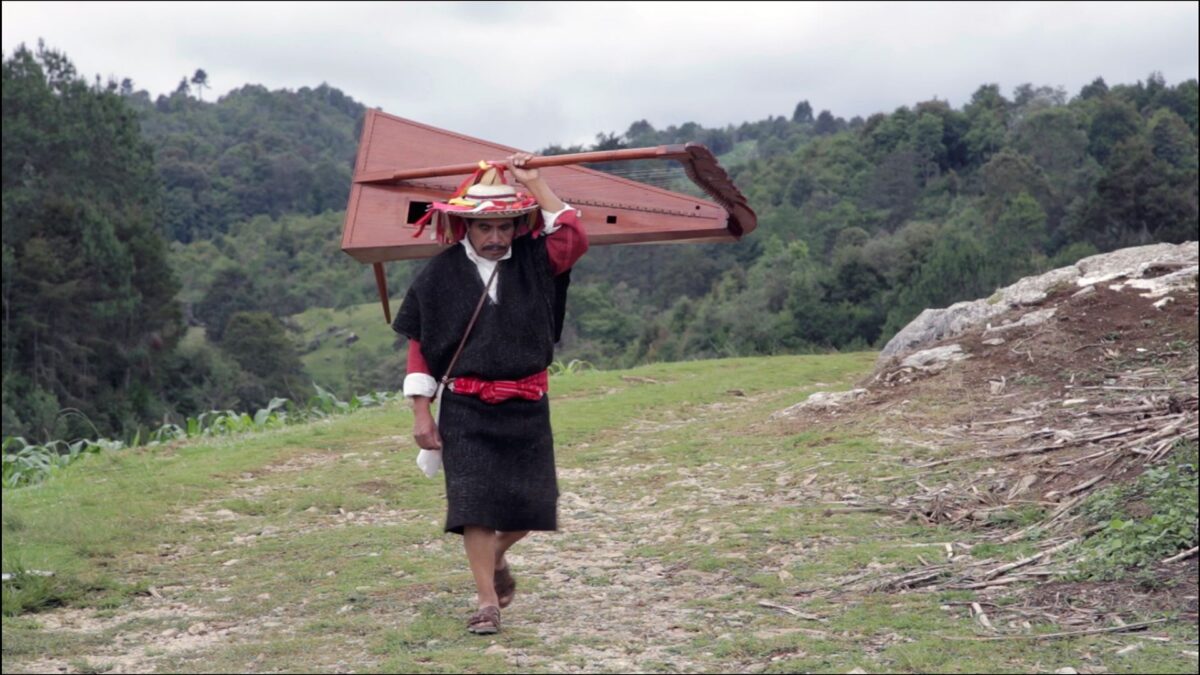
x=823, y=400
x=1139, y=268
x=934, y=359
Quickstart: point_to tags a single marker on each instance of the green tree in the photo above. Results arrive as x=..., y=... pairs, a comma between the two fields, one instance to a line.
x=1009, y=174
x=1140, y=199
x=89, y=309
x=803, y=113
x=232, y=291
x=957, y=269
x=1095, y=89
x=1172, y=141
x=988, y=116
x=259, y=344
x=1115, y=121
x=200, y=79
x=1015, y=238
x=926, y=137
x=827, y=124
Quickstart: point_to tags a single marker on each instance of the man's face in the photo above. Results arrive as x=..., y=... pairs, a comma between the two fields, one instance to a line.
x=491, y=238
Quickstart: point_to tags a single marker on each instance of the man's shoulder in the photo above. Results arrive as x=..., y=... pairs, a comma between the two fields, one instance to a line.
x=526, y=245
x=441, y=263
x=452, y=254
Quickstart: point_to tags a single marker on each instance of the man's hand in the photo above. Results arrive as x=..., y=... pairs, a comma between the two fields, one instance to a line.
x=425, y=431
x=516, y=163
x=532, y=179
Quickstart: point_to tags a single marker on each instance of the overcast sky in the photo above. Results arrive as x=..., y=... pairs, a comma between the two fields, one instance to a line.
x=532, y=74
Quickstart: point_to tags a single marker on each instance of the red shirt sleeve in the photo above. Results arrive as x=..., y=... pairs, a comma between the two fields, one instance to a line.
x=567, y=244
x=416, y=360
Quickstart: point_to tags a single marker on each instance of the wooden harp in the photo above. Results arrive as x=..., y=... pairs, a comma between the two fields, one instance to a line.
x=403, y=166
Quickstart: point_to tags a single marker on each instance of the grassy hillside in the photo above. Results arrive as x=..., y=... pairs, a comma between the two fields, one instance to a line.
x=330, y=354
x=697, y=534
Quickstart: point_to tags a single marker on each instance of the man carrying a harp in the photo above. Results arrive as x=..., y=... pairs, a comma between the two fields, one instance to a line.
x=482, y=318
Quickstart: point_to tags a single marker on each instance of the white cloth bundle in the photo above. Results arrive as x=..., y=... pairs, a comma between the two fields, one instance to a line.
x=430, y=461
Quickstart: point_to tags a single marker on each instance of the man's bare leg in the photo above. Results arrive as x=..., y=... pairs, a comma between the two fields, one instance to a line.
x=480, y=543
x=504, y=541
x=503, y=581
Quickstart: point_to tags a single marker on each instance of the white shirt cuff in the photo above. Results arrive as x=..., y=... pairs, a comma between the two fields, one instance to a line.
x=551, y=219
x=419, y=384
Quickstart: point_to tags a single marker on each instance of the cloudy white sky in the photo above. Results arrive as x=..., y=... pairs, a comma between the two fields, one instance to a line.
x=532, y=74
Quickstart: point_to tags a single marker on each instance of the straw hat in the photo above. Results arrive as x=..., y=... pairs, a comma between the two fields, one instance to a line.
x=484, y=195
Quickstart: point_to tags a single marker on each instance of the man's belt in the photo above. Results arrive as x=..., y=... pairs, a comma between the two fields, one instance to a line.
x=494, y=391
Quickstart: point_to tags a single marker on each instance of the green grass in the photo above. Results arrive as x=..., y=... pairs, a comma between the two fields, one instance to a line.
x=320, y=547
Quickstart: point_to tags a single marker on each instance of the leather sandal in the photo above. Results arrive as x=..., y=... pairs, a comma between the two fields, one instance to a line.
x=486, y=621
x=506, y=586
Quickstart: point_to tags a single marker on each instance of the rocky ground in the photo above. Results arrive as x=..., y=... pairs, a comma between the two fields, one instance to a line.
x=1056, y=388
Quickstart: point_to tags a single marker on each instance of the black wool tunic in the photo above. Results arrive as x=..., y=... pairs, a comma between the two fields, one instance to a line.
x=498, y=458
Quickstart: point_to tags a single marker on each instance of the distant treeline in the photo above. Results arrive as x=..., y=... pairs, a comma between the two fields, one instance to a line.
x=128, y=220
x=863, y=224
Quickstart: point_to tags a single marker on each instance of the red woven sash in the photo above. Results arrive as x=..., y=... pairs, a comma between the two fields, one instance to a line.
x=532, y=388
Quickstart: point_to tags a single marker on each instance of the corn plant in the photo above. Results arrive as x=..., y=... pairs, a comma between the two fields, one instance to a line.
x=572, y=368
x=26, y=463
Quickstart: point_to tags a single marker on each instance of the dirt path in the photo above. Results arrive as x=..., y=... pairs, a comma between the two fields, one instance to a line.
x=588, y=599
x=693, y=540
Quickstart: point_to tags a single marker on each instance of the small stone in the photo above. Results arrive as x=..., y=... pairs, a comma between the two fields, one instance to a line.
x=1130, y=648
x=170, y=632
x=231, y=562
x=1067, y=671
x=197, y=629
x=263, y=596
x=756, y=668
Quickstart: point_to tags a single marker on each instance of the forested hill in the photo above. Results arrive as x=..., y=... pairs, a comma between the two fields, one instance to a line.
x=863, y=223
x=252, y=152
